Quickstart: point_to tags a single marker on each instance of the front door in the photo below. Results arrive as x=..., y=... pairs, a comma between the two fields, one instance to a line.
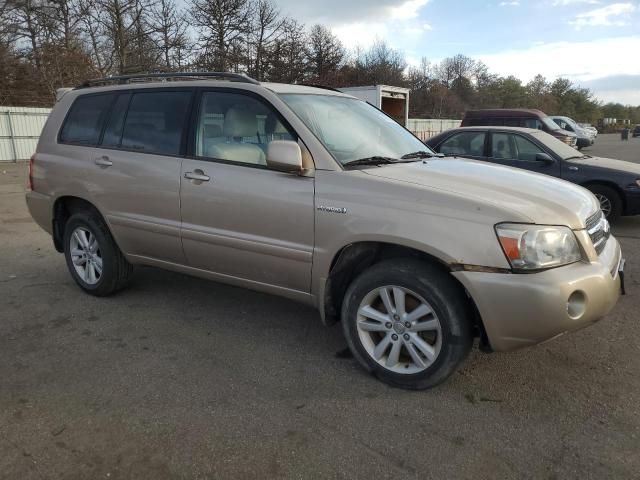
x=239, y=218
x=515, y=150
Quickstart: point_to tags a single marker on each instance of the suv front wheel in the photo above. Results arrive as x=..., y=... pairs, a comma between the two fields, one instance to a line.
x=93, y=258
x=407, y=322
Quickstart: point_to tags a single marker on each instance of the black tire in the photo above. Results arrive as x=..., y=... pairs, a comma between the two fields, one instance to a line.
x=445, y=296
x=613, y=197
x=116, y=270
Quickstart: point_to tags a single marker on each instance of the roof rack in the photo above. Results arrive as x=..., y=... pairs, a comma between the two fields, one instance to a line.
x=125, y=79
x=316, y=85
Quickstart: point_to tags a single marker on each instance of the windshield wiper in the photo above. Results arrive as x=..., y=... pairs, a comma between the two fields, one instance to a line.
x=421, y=154
x=375, y=160
x=580, y=157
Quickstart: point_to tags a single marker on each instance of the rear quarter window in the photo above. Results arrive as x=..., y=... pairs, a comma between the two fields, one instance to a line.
x=85, y=119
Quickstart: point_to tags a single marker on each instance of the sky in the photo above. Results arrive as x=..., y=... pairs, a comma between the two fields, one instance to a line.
x=594, y=43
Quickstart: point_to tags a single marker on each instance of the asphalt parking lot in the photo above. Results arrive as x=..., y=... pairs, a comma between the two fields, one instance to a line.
x=179, y=377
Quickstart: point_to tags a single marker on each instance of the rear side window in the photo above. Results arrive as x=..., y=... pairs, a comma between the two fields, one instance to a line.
x=85, y=119
x=156, y=121
x=113, y=132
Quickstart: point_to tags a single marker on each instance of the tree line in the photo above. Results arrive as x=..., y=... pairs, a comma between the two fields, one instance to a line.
x=47, y=44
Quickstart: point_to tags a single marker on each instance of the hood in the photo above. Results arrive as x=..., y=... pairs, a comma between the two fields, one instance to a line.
x=566, y=133
x=620, y=165
x=522, y=195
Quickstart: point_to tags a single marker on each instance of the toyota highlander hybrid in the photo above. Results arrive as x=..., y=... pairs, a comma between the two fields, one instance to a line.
x=317, y=196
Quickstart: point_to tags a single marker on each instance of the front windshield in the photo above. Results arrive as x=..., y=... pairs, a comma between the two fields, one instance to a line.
x=352, y=129
x=551, y=125
x=558, y=147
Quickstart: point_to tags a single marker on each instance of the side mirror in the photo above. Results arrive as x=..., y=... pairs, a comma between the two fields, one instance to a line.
x=545, y=158
x=284, y=156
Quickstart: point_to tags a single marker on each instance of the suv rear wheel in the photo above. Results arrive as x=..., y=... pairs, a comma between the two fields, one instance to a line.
x=93, y=258
x=407, y=322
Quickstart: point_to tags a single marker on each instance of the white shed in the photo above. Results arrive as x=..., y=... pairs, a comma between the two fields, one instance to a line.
x=394, y=101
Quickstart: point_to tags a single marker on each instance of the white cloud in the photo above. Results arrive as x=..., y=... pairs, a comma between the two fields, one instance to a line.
x=361, y=33
x=512, y=3
x=361, y=22
x=333, y=12
x=611, y=15
x=573, y=2
x=607, y=56
x=408, y=9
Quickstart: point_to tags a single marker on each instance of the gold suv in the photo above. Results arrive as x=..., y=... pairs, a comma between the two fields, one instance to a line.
x=317, y=196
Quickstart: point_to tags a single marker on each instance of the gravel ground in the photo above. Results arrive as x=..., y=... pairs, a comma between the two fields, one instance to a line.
x=178, y=377
x=611, y=146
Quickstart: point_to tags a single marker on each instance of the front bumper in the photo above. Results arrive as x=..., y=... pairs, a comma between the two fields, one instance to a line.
x=584, y=142
x=519, y=310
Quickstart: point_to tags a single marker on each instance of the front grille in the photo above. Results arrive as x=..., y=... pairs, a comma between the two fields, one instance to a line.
x=598, y=230
x=593, y=220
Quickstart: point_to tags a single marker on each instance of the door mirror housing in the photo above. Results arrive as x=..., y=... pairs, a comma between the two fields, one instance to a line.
x=545, y=158
x=284, y=156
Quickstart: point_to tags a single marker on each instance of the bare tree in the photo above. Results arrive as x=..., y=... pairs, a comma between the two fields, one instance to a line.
x=221, y=25
x=324, y=53
x=24, y=17
x=266, y=29
x=288, y=56
x=169, y=33
x=125, y=30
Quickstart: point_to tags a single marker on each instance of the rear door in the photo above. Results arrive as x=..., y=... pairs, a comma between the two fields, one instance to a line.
x=516, y=150
x=135, y=177
x=240, y=219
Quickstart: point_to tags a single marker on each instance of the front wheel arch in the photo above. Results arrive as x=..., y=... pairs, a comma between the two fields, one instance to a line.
x=353, y=259
x=603, y=183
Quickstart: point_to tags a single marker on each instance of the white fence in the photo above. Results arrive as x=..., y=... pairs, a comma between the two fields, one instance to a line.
x=20, y=129
x=427, y=128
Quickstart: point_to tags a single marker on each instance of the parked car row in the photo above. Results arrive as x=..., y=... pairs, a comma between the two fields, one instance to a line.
x=615, y=183
x=519, y=117
x=585, y=138
x=320, y=197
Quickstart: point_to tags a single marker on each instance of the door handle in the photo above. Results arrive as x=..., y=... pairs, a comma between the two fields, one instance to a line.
x=103, y=161
x=575, y=169
x=197, y=175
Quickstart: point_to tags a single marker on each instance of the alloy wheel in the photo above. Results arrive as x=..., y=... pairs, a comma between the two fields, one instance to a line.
x=86, y=255
x=399, y=329
x=605, y=204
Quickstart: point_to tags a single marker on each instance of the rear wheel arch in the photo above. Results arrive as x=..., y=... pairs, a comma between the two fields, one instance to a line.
x=353, y=259
x=63, y=208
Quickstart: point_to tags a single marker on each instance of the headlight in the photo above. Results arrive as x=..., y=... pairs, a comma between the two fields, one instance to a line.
x=536, y=247
x=638, y=182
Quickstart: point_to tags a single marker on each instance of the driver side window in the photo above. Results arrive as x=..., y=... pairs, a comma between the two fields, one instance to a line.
x=509, y=146
x=237, y=128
